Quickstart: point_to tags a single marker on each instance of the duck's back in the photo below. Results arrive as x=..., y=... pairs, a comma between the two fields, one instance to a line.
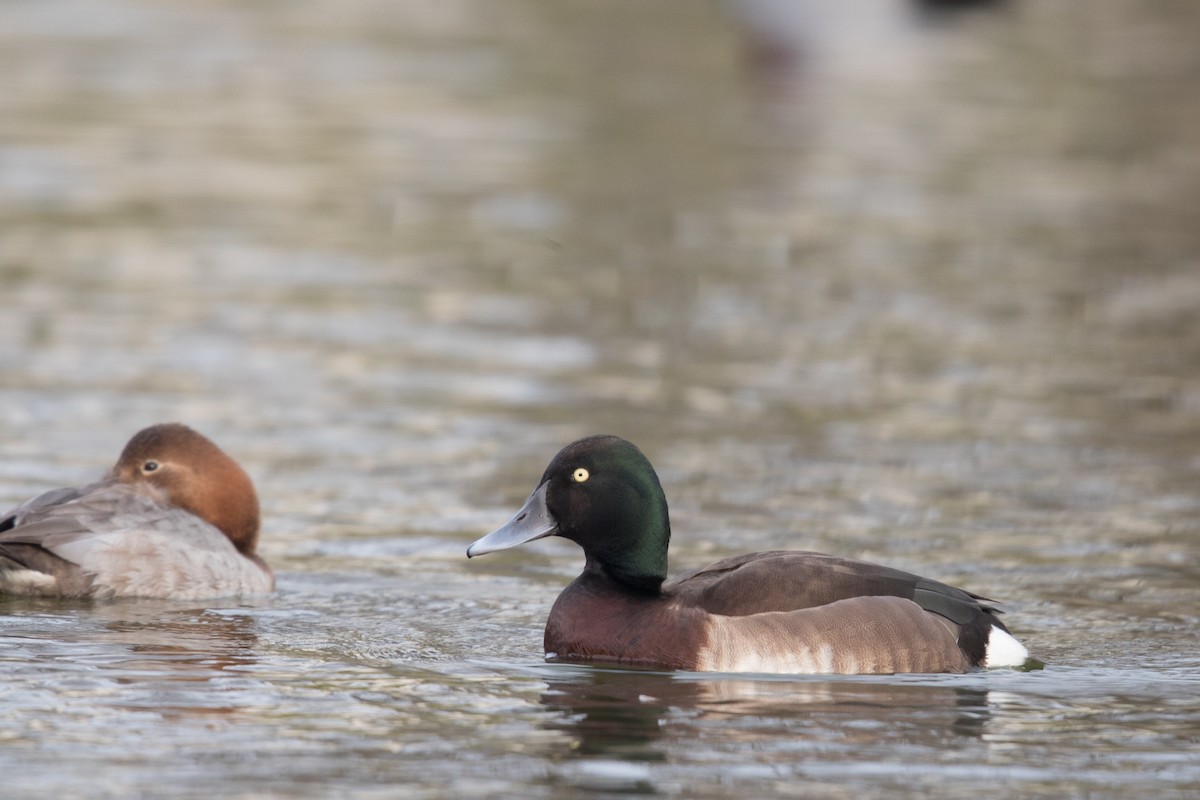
x=786, y=580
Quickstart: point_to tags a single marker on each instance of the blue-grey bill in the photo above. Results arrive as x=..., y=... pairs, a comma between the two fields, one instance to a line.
x=533, y=521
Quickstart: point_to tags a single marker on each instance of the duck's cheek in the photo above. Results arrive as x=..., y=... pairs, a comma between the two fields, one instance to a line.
x=565, y=509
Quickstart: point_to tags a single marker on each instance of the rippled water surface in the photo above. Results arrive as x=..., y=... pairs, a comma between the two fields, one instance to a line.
x=912, y=283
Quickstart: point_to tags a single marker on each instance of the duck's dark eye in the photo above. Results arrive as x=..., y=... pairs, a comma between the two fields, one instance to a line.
x=150, y=466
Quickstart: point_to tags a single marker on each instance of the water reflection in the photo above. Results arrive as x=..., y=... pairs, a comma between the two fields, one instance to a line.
x=639, y=716
x=131, y=655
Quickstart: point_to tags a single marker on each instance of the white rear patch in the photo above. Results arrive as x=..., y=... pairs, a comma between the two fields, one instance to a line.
x=1003, y=650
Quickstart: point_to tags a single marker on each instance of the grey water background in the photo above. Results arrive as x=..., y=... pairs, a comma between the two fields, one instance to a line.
x=914, y=283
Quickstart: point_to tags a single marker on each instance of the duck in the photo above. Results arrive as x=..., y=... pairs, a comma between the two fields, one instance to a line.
x=781, y=611
x=175, y=518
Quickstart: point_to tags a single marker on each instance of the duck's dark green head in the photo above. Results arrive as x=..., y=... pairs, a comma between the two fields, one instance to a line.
x=603, y=494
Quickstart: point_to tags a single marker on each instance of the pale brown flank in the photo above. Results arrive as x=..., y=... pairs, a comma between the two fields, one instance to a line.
x=864, y=635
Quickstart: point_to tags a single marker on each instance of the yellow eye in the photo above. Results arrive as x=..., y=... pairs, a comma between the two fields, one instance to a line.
x=580, y=475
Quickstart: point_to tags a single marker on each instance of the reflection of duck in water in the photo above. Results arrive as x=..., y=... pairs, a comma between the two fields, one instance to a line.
x=782, y=611
x=628, y=714
x=175, y=518
x=164, y=658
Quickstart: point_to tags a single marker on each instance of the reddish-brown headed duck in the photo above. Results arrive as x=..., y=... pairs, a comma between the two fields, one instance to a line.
x=780, y=611
x=175, y=518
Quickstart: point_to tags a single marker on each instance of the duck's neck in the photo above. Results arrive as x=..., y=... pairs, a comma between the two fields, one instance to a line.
x=641, y=564
x=637, y=582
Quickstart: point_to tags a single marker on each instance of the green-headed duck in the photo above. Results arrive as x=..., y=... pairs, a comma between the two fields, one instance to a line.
x=778, y=611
